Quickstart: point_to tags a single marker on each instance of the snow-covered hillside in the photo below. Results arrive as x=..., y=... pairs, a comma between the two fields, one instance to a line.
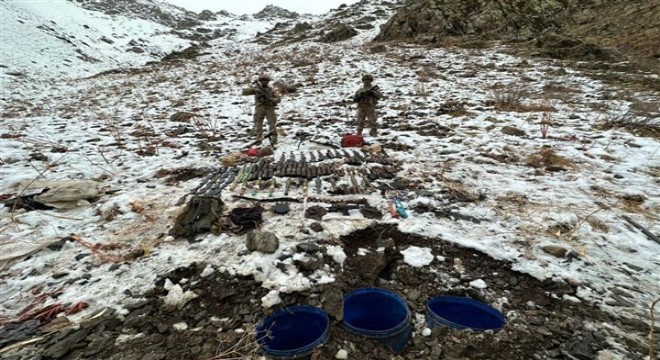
x=514, y=172
x=64, y=40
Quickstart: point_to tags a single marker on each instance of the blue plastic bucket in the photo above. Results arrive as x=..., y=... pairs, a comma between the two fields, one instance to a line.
x=463, y=313
x=379, y=314
x=293, y=332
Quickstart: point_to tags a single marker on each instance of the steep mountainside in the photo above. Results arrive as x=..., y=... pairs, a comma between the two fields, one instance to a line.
x=602, y=29
x=157, y=11
x=82, y=38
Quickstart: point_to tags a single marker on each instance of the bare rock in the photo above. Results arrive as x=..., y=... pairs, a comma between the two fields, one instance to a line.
x=333, y=302
x=513, y=131
x=182, y=116
x=340, y=32
x=555, y=250
x=262, y=241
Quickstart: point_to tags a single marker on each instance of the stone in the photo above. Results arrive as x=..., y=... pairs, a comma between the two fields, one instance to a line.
x=340, y=32
x=413, y=294
x=333, y=302
x=407, y=276
x=262, y=241
x=317, y=227
x=555, y=250
x=513, y=131
x=309, y=263
x=370, y=265
x=581, y=347
x=57, y=245
x=308, y=247
x=513, y=281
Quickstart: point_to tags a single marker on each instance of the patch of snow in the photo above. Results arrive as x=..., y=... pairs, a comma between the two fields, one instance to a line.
x=417, y=257
x=478, y=284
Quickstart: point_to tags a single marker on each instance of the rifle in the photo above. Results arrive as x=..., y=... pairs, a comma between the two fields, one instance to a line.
x=262, y=96
x=366, y=94
x=343, y=208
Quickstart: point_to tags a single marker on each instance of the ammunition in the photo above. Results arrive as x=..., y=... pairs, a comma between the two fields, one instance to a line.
x=333, y=183
x=272, y=187
x=237, y=179
x=318, y=185
x=359, y=156
x=271, y=172
x=287, y=187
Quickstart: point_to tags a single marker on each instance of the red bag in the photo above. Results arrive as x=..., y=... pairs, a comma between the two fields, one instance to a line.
x=254, y=152
x=352, y=140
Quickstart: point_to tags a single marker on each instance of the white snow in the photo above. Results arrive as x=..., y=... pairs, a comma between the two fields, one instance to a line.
x=341, y=354
x=271, y=299
x=417, y=257
x=478, y=284
x=89, y=116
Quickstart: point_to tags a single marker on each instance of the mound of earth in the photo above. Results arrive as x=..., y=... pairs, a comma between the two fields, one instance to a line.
x=594, y=30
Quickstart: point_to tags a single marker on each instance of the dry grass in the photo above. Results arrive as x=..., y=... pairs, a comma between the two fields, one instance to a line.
x=246, y=347
x=641, y=118
x=548, y=157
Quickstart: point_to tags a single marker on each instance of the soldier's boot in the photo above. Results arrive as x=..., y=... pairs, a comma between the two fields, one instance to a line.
x=359, y=131
x=373, y=132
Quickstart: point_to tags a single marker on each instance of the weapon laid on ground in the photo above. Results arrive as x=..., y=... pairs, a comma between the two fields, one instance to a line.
x=259, y=141
x=287, y=187
x=273, y=184
x=321, y=156
x=271, y=172
x=355, y=183
x=318, y=184
x=238, y=178
x=302, y=168
x=366, y=181
x=279, y=169
x=244, y=186
x=344, y=209
x=262, y=171
x=312, y=157
x=304, y=187
x=333, y=183
x=253, y=172
x=291, y=167
x=255, y=189
x=358, y=156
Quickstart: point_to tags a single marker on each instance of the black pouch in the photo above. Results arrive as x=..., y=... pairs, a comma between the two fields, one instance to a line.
x=246, y=218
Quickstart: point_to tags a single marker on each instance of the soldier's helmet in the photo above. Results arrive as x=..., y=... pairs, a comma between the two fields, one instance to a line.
x=367, y=77
x=263, y=77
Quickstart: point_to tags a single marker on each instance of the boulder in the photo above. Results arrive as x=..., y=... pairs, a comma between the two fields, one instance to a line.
x=262, y=241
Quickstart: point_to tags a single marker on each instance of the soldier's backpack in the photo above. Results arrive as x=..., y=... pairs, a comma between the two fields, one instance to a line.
x=352, y=140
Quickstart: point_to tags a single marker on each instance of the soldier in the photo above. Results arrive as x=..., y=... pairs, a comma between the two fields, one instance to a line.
x=366, y=98
x=265, y=101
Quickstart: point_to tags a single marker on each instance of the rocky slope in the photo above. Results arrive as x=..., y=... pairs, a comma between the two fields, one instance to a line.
x=585, y=30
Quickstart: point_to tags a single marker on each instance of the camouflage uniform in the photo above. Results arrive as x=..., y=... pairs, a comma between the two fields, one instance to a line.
x=265, y=101
x=366, y=98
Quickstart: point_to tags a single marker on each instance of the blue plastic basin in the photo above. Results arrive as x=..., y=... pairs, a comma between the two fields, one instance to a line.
x=463, y=313
x=293, y=332
x=378, y=314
